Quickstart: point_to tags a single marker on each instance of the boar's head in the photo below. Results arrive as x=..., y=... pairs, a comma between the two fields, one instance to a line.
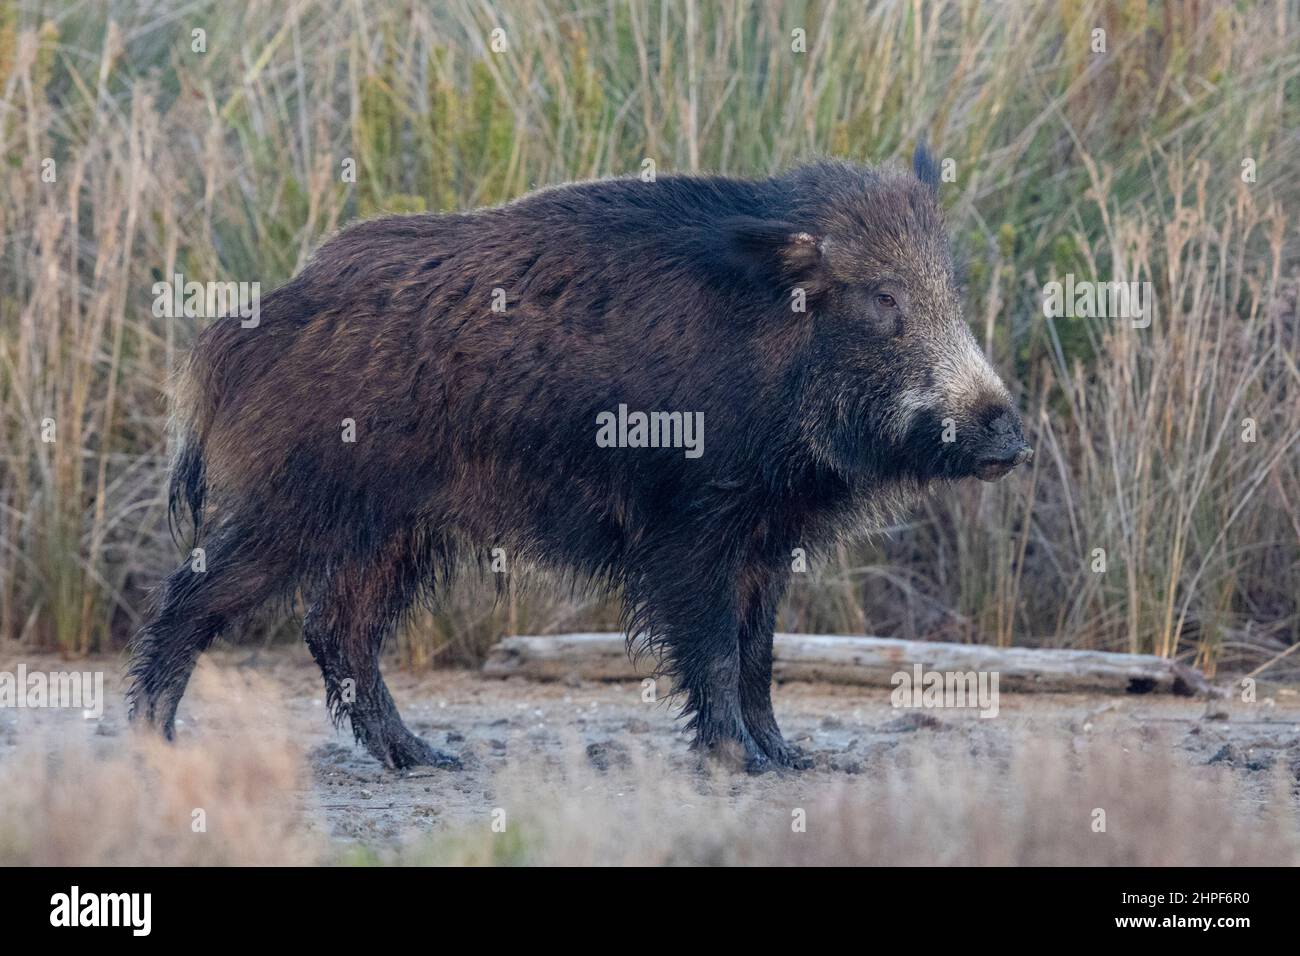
x=894, y=382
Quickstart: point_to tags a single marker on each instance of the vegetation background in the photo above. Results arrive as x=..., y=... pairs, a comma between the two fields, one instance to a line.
x=1118, y=165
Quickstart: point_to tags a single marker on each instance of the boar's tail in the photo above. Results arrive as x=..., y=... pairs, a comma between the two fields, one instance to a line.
x=187, y=490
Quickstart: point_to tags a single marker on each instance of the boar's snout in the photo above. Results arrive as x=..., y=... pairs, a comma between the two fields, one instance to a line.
x=1002, y=445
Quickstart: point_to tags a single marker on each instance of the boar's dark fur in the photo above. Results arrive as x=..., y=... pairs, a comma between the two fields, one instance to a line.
x=475, y=429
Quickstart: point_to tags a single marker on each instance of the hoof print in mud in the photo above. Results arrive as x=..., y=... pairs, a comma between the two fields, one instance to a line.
x=608, y=753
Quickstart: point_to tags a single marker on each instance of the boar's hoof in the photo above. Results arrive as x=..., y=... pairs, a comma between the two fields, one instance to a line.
x=784, y=755
x=410, y=751
x=759, y=763
x=783, y=759
x=798, y=760
x=734, y=755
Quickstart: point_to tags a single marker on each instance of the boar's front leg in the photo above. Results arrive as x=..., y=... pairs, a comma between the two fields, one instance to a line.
x=690, y=613
x=756, y=629
x=709, y=673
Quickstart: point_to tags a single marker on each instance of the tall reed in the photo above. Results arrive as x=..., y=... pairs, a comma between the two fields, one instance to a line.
x=1127, y=164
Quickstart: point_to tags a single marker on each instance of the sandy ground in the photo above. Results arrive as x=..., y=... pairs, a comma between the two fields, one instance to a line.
x=490, y=724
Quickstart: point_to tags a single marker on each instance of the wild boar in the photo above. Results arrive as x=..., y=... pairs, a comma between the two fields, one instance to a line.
x=432, y=387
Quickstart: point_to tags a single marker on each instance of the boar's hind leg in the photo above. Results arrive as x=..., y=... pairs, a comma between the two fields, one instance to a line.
x=345, y=627
x=756, y=629
x=195, y=606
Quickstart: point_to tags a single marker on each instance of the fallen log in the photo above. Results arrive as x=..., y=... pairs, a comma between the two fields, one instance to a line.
x=868, y=661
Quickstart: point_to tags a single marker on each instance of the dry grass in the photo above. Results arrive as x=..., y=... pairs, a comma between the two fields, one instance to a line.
x=70, y=800
x=134, y=805
x=74, y=797
x=226, y=165
x=936, y=805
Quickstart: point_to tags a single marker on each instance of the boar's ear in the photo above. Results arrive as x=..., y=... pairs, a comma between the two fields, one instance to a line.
x=924, y=166
x=774, y=252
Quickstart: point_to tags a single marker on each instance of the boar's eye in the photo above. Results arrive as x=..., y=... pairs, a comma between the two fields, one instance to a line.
x=885, y=300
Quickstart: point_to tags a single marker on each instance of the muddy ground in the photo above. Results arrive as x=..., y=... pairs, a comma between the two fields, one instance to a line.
x=848, y=731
